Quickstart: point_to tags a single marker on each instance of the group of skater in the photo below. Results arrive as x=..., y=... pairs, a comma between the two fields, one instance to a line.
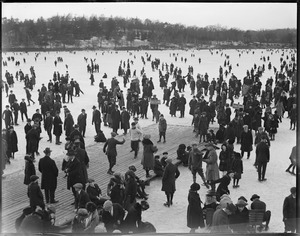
x=115, y=111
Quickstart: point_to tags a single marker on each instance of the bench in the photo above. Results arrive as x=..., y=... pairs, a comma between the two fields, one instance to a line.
x=256, y=219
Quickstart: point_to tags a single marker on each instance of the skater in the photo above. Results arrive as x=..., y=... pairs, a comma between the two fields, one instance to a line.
x=81, y=122
x=246, y=141
x=170, y=175
x=48, y=125
x=262, y=158
x=149, y=150
x=57, y=130
x=111, y=151
x=162, y=127
x=293, y=159
x=135, y=137
x=237, y=169
x=96, y=119
x=23, y=109
x=289, y=212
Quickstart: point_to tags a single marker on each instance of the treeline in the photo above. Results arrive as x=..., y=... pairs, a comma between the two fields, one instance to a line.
x=69, y=30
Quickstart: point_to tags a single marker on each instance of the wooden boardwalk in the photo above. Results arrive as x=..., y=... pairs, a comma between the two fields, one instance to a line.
x=14, y=192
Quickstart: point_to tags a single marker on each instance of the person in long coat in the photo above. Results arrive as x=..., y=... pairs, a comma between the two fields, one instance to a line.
x=112, y=216
x=83, y=158
x=211, y=159
x=223, y=184
x=69, y=123
x=96, y=120
x=12, y=142
x=57, y=130
x=125, y=117
x=32, y=138
x=289, y=211
x=262, y=158
x=162, y=128
x=49, y=172
x=29, y=169
x=246, y=141
x=81, y=122
x=194, y=210
x=148, y=157
x=171, y=173
x=116, y=119
x=293, y=159
x=35, y=194
x=130, y=190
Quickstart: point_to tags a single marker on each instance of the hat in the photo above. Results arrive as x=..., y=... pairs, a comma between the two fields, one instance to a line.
x=165, y=153
x=23, y=98
x=147, y=136
x=47, y=150
x=82, y=212
x=254, y=196
x=27, y=210
x=231, y=207
x=90, y=180
x=242, y=198
x=94, y=107
x=28, y=157
x=145, y=205
x=195, y=187
x=135, y=118
x=169, y=160
x=132, y=168
x=33, y=178
x=130, y=173
x=78, y=185
x=76, y=126
x=107, y=205
x=241, y=203
x=113, y=134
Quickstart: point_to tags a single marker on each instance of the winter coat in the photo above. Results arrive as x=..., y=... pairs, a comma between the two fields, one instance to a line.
x=148, y=157
x=81, y=120
x=74, y=173
x=96, y=117
x=117, y=194
x=57, y=124
x=220, y=222
x=289, y=207
x=111, y=221
x=194, y=211
x=49, y=172
x=116, y=119
x=130, y=193
x=35, y=195
x=237, y=168
x=83, y=158
x=230, y=134
x=111, y=144
x=171, y=173
x=223, y=186
x=81, y=199
x=68, y=124
x=212, y=169
x=125, y=117
x=195, y=160
x=192, y=105
x=12, y=141
x=29, y=171
x=246, y=141
x=162, y=125
x=262, y=153
x=239, y=220
x=293, y=156
x=224, y=158
x=203, y=125
x=32, y=138
x=258, y=138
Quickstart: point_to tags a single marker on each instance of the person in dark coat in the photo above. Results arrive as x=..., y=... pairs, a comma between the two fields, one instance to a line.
x=246, y=141
x=48, y=125
x=15, y=109
x=12, y=142
x=171, y=173
x=262, y=158
x=230, y=132
x=162, y=128
x=112, y=216
x=148, y=157
x=220, y=222
x=257, y=204
x=7, y=117
x=130, y=190
x=194, y=210
x=224, y=159
x=49, y=172
x=125, y=117
x=192, y=104
x=133, y=219
x=116, y=119
x=35, y=194
x=111, y=151
x=81, y=198
x=57, y=130
x=223, y=184
x=81, y=122
x=83, y=158
x=32, y=138
x=181, y=105
x=158, y=168
x=240, y=219
x=69, y=123
x=96, y=119
x=95, y=193
x=237, y=169
x=116, y=189
x=29, y=169
x=73, y=170
x=289, y=212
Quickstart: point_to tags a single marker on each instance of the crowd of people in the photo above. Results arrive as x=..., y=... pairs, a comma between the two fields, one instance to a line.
x=119, y=209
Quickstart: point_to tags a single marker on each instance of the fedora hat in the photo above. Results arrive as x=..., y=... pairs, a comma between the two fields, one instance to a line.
x=47, y=150
x=254, y=196
x=33, y=178
x=241, y=202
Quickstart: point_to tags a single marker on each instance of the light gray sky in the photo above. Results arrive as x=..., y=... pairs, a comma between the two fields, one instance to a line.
x=252, y=16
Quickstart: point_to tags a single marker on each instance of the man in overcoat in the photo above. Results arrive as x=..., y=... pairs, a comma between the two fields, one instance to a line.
x=262, y=158
x=81, y=122
x=49, y=172
x=125, y=117
x=35, y=194
x=171, y=173
x=69, y=123
x=57, y=130
x=96, y=120
x=81, y=198
x=289, y=212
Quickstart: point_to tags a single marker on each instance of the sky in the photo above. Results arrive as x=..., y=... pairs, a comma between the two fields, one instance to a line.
x=244, y=16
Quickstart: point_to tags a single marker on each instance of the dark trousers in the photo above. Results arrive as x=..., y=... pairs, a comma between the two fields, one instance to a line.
x=182, y=112
x=16, y=115
x=261, y=168
x=97, y=127
x=24, y=113
x=49, y=133
x=82, y=130
x=162, y=134
x=49, y=195
x=135, y=147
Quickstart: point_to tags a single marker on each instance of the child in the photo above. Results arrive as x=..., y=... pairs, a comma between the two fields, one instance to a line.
x=211, y=137
x=158, y=167
x=237, y=169
x=29, y=168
